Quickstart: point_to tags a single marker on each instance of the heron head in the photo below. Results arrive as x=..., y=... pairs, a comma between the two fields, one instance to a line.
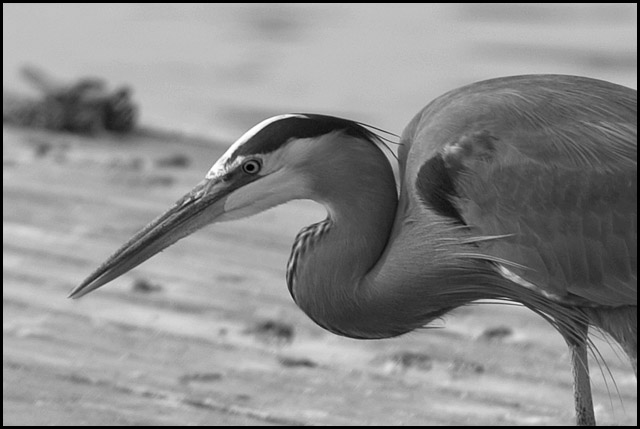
x=276, y=161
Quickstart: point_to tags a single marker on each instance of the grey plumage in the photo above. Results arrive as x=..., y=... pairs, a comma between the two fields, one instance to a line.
x=520, y=189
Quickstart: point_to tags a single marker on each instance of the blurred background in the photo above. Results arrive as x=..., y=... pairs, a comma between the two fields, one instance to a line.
x=222, y=68
x=206, y=333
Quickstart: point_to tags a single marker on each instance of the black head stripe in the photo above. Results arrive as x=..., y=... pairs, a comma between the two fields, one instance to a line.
x=278, y=133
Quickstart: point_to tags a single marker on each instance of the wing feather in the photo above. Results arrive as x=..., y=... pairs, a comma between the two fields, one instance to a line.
x=548, y=162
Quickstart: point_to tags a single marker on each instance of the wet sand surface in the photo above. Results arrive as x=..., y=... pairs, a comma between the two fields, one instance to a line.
x=206, y=332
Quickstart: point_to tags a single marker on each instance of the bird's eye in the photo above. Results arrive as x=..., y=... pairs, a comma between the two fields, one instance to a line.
x=251, y=166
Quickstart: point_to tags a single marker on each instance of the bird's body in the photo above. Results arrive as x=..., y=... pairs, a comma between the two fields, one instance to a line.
x=551, y=162
x=520, y=189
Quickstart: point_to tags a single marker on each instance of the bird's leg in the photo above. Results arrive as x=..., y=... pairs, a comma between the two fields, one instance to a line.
x=581, y=382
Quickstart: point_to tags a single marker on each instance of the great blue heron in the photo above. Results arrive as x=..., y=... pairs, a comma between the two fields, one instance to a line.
x=520, y=188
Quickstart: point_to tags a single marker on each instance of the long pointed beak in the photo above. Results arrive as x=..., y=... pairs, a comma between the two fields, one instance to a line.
x=203, y=205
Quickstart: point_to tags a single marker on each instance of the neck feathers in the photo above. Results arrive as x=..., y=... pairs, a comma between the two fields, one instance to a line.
x=305, y=240
x=353, y=179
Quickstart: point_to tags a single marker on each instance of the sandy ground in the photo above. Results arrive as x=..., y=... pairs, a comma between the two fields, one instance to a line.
x=206, y=332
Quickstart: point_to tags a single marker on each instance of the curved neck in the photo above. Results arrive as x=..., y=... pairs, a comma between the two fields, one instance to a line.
x=330, y=259
x=355, y=274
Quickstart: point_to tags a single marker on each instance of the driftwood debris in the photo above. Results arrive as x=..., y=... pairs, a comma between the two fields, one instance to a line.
x=85, y=105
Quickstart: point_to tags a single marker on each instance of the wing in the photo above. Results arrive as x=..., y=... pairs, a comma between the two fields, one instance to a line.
x=548, y=162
